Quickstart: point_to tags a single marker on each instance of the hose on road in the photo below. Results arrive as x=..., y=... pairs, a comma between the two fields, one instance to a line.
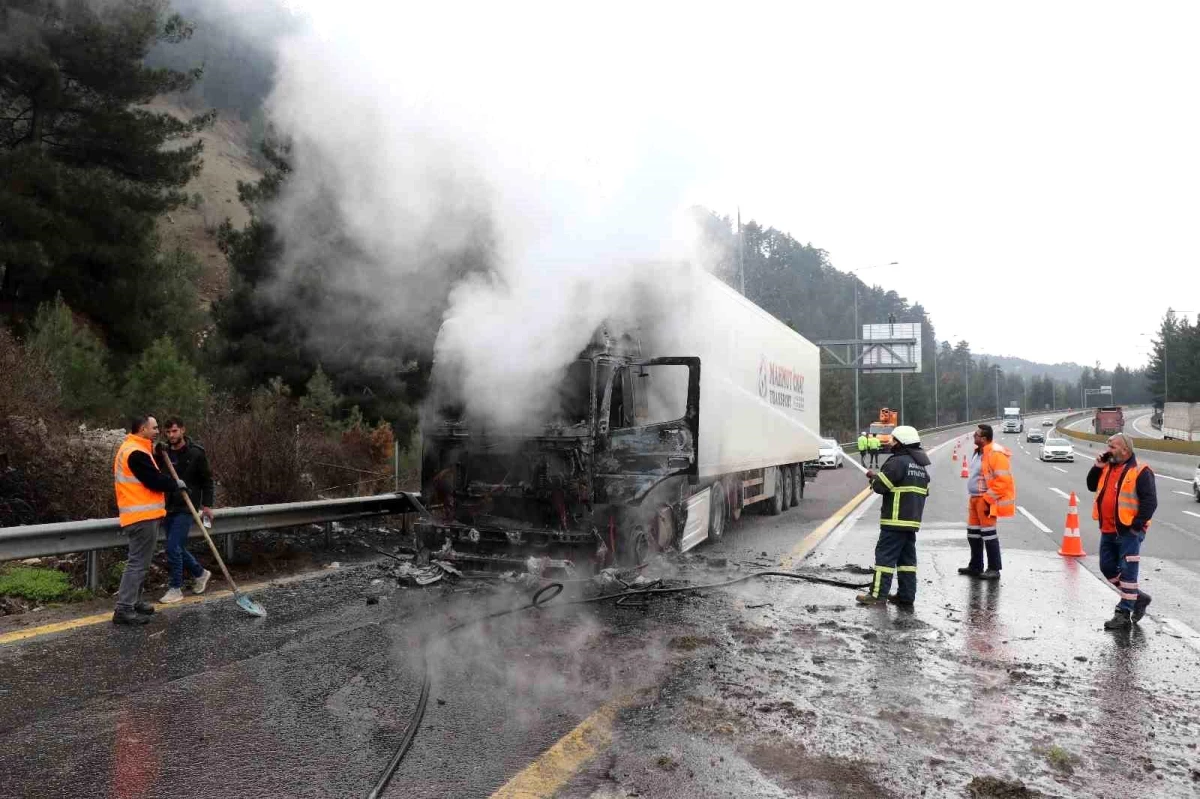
x=539, y=599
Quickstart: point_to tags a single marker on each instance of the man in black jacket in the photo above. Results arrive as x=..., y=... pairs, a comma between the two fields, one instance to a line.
x=904, y=483
x=191, y=464
x=1126, y=498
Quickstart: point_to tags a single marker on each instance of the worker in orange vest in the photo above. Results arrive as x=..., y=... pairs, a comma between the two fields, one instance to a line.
x=992, y=495
x=141, y=502
x=1126, y=498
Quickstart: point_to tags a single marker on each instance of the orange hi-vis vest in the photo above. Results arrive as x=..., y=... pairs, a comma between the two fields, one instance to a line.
x=996, y=472
x=1127, y=498
x=135, y=502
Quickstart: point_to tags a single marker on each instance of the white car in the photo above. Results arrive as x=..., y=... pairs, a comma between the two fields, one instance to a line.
x=1057, y=449
x=830, y=455
x=1196, y=483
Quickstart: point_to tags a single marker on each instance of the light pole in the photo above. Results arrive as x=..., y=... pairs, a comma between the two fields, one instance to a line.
x=935, y=407
x=997, y=370
x=858, y=335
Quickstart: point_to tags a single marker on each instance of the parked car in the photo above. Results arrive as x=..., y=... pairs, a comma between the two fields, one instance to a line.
x=1036, y=436
x=830, y=455
x=1047, y=423
x=1057, y=449
x=1196, y=483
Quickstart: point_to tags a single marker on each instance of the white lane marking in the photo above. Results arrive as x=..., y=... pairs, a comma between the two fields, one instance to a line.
x=1181, y=630
x=1061, y=469
x=1033, y=519
x=1060, y=492
x=1169, y=477
x=847, y=524
x=1182, y=493
x=1189, y=513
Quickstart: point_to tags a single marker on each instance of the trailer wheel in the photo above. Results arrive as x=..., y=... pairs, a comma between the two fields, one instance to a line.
x=775, y=504
x=787, y=476
x=716, y=512
x=733, y=490
x=798, y=481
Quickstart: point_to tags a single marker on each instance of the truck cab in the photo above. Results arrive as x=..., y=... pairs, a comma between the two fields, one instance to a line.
x=882, y=429
x=1014, y=422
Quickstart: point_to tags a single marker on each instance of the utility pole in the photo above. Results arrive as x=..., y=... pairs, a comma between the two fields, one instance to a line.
x=997, y=368
x=967, y=384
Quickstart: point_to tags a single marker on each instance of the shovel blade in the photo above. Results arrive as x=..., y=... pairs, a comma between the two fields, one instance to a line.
x=250, y=606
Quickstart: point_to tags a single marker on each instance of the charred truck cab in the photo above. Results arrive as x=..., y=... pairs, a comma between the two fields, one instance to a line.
x=623, y=467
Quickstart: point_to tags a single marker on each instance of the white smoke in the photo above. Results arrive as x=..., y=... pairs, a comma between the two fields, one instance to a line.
x=426, y=149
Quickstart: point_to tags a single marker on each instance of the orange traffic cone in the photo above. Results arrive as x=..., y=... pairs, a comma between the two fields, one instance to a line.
x=954, y=457
x=964, y=471
x=1072, y=544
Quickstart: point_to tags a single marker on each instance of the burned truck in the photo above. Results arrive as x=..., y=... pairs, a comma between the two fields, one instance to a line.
x=661, y=435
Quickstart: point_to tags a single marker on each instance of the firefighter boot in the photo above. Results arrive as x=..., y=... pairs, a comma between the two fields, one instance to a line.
x=1119, y=621
x=868, y=599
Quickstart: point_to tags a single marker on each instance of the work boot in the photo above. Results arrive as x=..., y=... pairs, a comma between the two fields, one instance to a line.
x=144, y=608
x=969, y=571
x=990, y=574
x=896, y=600
x=172, y=596
x=201, y=582
x=1119, y=621
x=1139, y=607
x=869, y=599
x=129, y=617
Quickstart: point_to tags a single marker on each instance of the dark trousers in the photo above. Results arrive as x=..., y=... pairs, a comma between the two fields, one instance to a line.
x=178, y=557
x=874, y=457
x=896, y=554
x=862, y=456
x=1120, y=557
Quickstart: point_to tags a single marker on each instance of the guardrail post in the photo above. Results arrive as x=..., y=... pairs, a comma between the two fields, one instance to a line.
x=227, y=544
x=93, y=570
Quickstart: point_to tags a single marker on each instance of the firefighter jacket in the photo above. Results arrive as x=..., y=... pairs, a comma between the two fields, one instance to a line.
x=1137, y=498
x=139, y=485
x=996, y=472
x=904, y=483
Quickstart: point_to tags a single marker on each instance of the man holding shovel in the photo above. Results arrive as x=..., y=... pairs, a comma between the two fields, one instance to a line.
x=191, y=464
x=142, y=504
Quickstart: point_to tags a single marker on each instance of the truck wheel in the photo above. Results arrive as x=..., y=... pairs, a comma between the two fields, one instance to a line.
x=664, y=528
x=716, y=512
x=635, y=549
x=775, y=503
x=733, y=490
x=788, y=477
x=797, y=484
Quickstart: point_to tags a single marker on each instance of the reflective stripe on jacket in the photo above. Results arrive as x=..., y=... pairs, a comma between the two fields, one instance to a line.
x=874, y=443
x=904, y=483
x=996, y=470
x=1127, y=498
x=135, y=502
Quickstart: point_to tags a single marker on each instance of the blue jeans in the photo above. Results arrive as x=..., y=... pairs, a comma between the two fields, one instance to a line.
x=178, y=526
x=1120, y=556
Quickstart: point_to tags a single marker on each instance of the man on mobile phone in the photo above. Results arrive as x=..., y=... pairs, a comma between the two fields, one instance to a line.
x=1126, y=498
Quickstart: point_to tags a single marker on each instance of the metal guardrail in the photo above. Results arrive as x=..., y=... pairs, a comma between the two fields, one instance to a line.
x=93, y=535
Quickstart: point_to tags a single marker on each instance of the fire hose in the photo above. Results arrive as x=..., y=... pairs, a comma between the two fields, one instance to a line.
x=540, y=597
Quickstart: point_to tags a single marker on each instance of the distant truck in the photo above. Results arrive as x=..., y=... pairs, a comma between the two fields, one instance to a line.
x=1156, y=418
x=1181, y=421
x=1013, y=421
x=888, y=420
x=660, y=434
x=1107, y=421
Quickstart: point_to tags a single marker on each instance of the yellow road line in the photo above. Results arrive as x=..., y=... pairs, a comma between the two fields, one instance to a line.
x=99, y=618
x=546, y=775
x=814, y=539
x=551, y=771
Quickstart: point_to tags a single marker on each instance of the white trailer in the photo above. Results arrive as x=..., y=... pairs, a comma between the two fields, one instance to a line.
x=1181, y=421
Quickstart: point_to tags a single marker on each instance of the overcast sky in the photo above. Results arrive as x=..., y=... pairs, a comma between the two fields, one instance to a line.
x=1032, y=166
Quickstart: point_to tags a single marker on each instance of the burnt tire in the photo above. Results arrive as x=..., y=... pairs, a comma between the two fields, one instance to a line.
x=717, y=514
x=774, y=505
x=635, y=547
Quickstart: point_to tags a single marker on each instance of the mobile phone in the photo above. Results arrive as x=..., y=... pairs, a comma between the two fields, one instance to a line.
x=1106, y=456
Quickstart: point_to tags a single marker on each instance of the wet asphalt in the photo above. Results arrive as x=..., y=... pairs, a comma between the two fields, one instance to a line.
x=772, y=689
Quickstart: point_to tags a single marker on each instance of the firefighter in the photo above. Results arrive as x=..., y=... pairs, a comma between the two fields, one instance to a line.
x=991, y=495
x=1126, y=498
x=863, y=444
x=904, y=483
x=873, y=446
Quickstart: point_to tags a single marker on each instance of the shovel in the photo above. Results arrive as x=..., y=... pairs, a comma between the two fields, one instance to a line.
x=243, y=600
